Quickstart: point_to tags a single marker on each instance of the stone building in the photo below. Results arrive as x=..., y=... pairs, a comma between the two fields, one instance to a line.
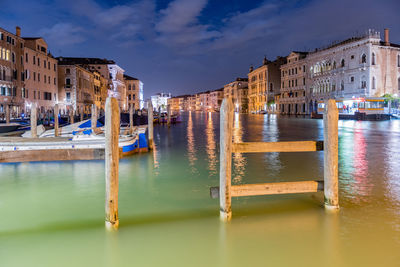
x=41, y=76
x=12, y=74
x=264, y=83
x=359, y=67
x=134, y=92
x=216, y=98
x=109, y=70
x=238, y=91
x=75, y=88
x=205, y=101
x=292, y=98
x=160, y=101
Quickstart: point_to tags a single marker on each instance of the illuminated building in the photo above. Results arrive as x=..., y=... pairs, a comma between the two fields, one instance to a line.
x=238, y=91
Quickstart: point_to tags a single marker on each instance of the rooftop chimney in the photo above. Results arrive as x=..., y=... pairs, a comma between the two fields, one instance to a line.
x=387, y=37
x=18, y=31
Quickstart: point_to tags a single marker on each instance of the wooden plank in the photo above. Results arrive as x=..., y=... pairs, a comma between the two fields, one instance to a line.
x=93, y=117
x=264, y=147
x=225, y=172
x=56, y=130
x=331, y=192
x=51, y=155
x=112, y=126
x=150, y=122
x=272, y=188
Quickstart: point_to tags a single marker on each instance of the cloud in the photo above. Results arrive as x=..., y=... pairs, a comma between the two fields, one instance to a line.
x=63, y=34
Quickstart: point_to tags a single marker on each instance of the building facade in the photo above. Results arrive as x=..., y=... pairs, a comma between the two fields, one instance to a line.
x=238, y=91
x=134, y=92
x=12, y=92
x=292, y=98
x=41, y=75
x=359, y=67
x=160, y=101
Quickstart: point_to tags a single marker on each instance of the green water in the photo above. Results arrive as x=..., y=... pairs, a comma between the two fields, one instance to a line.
x=52, y=214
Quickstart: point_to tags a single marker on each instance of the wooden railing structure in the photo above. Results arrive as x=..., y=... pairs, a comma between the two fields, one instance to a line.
x=329, y=185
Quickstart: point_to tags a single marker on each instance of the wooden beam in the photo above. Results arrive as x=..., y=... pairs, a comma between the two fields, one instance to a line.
x=272, y=188
x=7, y=113
x=51, y=155
x=112, y=126
x=331, y=158
x=93, y=119
x=264, y=147
x=150, y=125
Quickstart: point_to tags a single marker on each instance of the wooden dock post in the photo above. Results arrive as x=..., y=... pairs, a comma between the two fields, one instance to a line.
x=7, y=113
x=150, y=125
x=94, y=117
x=169, y=115
x=331, y=187
x=130, y=118
x=34, y=121
x=56, y=130
x=71, y=115
x=226, y=125
x=112, y=125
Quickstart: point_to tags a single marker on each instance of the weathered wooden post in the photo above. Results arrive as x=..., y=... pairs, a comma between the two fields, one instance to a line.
x=226, y=124
x=331, y=183
x=56, y=130
x=71, y=115
x=7, y=113
x=33, y=121
x=94, y=117
x=112, y=161
x=169, y=115
x=130, y=118
x=150, y=125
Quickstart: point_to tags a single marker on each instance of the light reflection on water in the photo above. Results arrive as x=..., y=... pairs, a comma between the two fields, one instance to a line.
x=165, y=209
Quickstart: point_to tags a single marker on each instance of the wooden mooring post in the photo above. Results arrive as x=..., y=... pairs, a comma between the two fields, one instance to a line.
x=7, y=113
x=34, y=121
x=93, y=118
x=56, y=130
x=130, y=119
x=150, y=125
x=225, y=170
x=81, y=111
x=169, y=115
x=112, y=124
x=331, y=157
x=226, y=191
x=71, y=115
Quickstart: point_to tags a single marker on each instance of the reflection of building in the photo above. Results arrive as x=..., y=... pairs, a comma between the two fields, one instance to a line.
x=134, y=92
x=264, y=83
x=12, y=91
x=160, y=101
x=75, y=88
x=293, y=84
x=238, y=91
x=359, y=67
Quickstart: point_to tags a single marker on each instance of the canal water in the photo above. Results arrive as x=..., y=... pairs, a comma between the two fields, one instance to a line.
x=52, y=214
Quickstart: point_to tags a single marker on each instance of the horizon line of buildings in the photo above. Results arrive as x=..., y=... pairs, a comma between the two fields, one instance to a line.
x=29, y=74
x=357, y=68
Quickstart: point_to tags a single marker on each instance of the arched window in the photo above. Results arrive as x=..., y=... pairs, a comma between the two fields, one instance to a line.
x=342, y=63
x=334, y=64
x=373, y=59
x=373, y=83
x=364, y=58
x=363, y=82
x=342, y=86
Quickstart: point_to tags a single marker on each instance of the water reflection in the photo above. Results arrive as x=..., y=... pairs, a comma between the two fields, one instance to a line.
x=270, y=133
x=211, y=145
x=191, y=145
x=392, y=163
x=239, y=161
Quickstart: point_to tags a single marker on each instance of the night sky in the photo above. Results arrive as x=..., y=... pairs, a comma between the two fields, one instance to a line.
x=187, y=46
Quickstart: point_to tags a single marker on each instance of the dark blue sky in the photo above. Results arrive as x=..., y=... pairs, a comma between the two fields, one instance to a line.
x=186, y=46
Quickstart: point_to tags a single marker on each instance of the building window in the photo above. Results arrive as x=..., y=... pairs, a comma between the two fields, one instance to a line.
x=398, y=83
x=68, y=96
x=334, y=64
x=34, y=60
x=373, y=59
x=133, y=97
x=352, y=57
x=342, y=86
x=34, y=94
x=304, y=81
x=54, y=67
x=67, y=71
x=398, y=61
x=38, y=78
x=129, y=97
x=38, y=62
x=34, y=76
x=364, y=58
x=55, y=81
x=342, y=63
x=373, y=83
x=352, y=79
x=44, y=63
